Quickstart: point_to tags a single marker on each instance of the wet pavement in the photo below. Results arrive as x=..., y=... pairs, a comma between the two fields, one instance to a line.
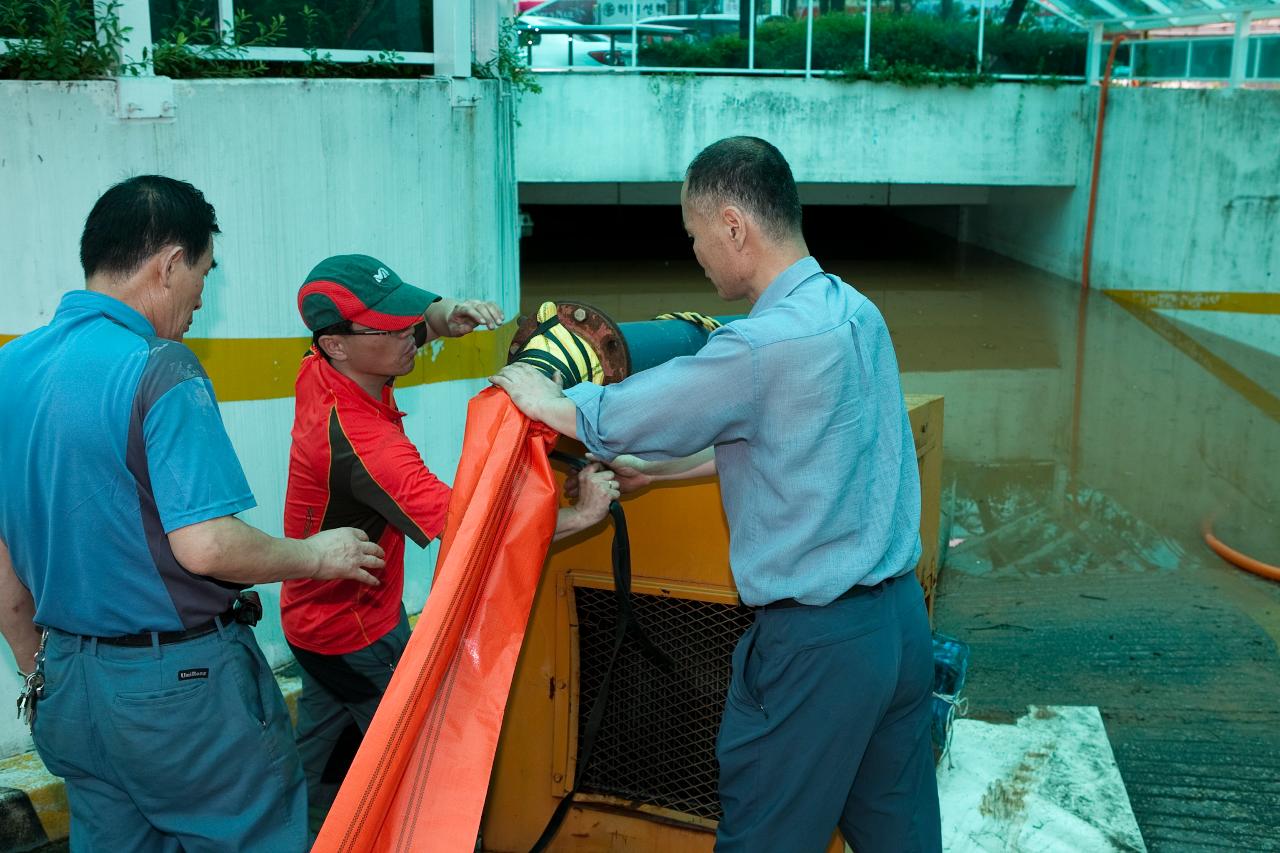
x=1086, y=445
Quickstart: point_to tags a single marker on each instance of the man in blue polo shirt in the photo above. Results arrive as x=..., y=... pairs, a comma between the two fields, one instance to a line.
x=118, y=538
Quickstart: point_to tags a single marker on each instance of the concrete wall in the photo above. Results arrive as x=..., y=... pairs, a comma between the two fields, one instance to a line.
x=1188, y=202
x=586, y=129
x=1190, y=185
x=416, y=173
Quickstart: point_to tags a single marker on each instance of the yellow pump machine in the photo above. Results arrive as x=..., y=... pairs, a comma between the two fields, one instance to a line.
x=650, y=784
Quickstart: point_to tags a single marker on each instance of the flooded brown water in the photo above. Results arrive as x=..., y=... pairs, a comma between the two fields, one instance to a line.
x=1085, y=446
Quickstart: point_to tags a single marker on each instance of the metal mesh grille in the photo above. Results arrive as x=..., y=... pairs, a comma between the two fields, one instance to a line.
x=657, y=742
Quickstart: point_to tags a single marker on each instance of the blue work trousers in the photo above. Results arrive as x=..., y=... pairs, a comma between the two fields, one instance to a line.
x=179, y=747
x=827, y=724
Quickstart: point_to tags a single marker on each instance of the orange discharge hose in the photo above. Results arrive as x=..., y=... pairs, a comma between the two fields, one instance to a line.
x=1235, y=558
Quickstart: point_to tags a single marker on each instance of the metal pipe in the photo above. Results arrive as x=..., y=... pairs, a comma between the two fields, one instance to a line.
x=808, y=45
x=620, y=348
x=136, y=44
x=226, y=21
x=982, y=24
x=866, y=40
x=635, y=37
x=652, y=342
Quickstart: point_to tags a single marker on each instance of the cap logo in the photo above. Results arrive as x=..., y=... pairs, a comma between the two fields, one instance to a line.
x=381, y=275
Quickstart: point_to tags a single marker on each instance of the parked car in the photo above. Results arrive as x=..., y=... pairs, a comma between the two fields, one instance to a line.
x=700, y=27
x=554, y=43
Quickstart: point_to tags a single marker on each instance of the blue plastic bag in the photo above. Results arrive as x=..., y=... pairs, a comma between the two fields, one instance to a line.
x=950, y=664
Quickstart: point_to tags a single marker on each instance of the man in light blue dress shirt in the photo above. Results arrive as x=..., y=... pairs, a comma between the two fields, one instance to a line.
x=799, y=409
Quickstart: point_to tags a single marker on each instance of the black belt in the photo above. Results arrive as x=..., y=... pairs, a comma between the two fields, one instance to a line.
x=246, y=609
x=852, y=592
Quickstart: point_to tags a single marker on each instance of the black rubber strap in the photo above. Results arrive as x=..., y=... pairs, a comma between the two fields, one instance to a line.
x=547, y=325
x=544, y=360
x=548, y=364
x=626, y=625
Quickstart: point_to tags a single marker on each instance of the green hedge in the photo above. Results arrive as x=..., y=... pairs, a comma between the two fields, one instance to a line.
x=904, y=41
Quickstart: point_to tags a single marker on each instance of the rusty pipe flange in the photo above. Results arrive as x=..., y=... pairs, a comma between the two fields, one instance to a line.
x=595, y=329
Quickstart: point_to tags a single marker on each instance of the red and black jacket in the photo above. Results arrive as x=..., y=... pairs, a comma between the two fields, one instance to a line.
x=351, y=465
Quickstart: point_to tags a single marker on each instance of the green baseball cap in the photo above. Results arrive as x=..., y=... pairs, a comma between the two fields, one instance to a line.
x=363, y=290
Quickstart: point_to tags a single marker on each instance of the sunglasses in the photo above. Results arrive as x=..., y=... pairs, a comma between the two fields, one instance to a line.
x=417, y=330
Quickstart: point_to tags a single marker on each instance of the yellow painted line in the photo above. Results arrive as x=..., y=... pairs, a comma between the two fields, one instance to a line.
x=1256, y=394
x=265, y=368
x=27, y=773
x=1233, y=302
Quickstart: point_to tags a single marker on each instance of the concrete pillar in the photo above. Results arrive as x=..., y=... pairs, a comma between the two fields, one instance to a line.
x=1240, y=49
x=454, y=21
x=1095, y=54
x=135, y=21
x=487, y=17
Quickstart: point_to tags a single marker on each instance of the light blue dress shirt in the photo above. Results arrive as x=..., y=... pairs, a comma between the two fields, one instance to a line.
x=802, y=402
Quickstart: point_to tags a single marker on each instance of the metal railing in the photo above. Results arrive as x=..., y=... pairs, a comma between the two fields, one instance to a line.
x=451, y=53
x=757, y=13
x=1207, y=59
x=1233, y=59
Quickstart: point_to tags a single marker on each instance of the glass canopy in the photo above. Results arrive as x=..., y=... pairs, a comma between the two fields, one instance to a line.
x=1152, y=14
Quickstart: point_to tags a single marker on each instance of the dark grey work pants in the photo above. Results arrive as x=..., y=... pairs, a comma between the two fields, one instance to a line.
x=338, y=692
x=827, y=724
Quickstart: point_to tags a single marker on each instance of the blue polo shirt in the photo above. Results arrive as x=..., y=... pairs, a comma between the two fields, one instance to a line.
x=110, y=438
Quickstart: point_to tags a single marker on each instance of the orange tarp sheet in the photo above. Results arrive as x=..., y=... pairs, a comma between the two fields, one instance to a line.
x=419, y=780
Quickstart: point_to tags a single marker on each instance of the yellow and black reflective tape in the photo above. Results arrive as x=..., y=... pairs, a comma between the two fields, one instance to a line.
x=700, y=320
x=553, y=348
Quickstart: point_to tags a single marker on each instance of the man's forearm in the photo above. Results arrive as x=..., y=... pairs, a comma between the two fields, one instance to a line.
x=700, y=464
x=230, y=550
x=568, y=522
x=17, y=614
x=438, y=317
x=560, y=414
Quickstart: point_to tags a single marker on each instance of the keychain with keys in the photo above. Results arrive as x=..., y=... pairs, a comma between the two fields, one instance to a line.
x=33, y=686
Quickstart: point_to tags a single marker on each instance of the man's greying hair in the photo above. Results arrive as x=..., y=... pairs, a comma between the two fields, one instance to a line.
x=750, y=173
x=137, y=218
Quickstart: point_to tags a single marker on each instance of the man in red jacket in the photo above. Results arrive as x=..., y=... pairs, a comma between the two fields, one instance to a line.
x=352, y=465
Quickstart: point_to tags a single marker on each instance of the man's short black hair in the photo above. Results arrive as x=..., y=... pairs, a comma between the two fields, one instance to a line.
x=748, y=172
x=137, y=218
x=342, y=327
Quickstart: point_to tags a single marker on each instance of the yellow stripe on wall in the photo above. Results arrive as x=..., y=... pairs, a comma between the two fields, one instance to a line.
x=1203, y=300
x=265, y=368
x=1233, y=378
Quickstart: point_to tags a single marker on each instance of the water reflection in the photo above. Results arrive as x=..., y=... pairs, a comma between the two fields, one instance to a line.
x=1127, y=419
